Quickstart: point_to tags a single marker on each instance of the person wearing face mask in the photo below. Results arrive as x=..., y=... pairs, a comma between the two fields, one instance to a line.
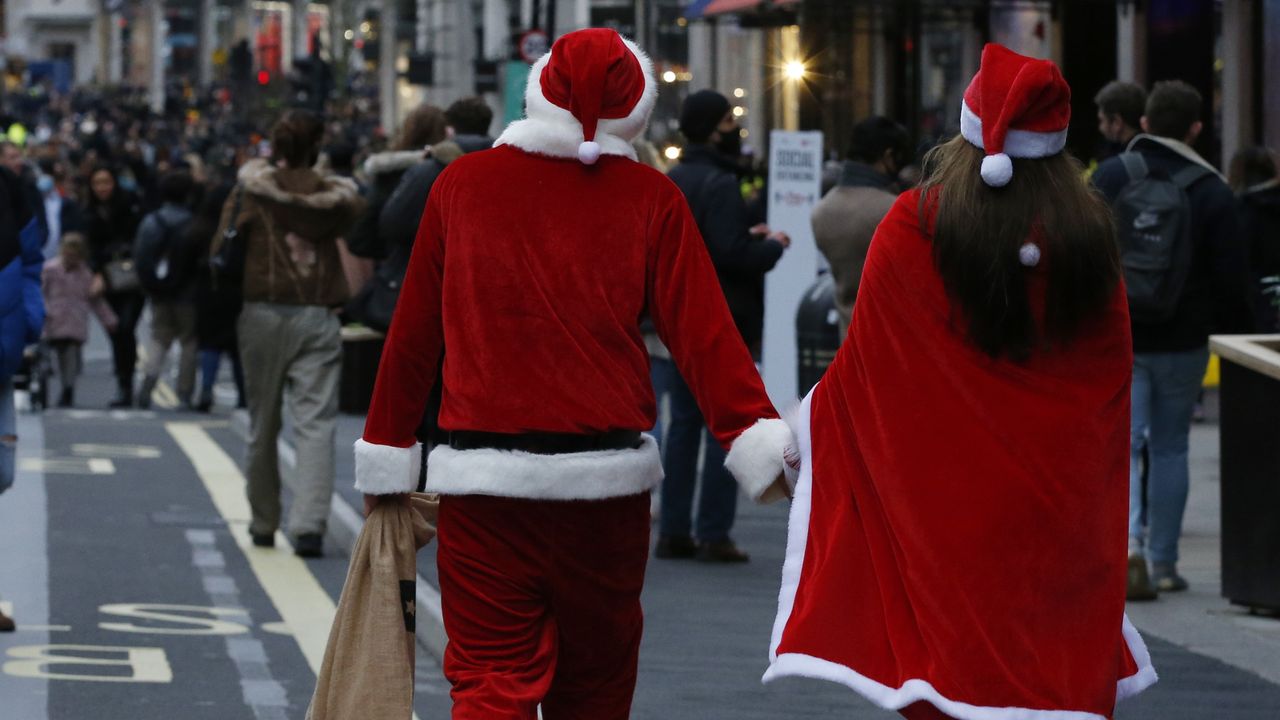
x=742, y=254
x=846, y=218
x=61, y=215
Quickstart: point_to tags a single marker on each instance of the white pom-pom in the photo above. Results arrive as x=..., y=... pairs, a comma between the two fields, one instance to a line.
x=589, y=152
x=997, y=170
x=1029, y=254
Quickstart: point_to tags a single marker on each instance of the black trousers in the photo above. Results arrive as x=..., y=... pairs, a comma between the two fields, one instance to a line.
x=124, y=341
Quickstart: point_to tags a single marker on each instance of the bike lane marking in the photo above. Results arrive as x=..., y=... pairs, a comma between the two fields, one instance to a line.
x=306, y=610
x=304, y=606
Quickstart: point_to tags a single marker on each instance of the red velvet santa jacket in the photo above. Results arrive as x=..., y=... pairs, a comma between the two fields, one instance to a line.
x=534, y=272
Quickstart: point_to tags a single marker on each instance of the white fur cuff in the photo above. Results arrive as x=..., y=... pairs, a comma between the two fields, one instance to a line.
x=385, y=470
x=756, y=457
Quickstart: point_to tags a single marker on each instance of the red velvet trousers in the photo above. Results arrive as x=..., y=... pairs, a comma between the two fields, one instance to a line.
x=542, y=605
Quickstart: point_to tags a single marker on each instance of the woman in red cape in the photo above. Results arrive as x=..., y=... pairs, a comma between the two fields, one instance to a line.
x=957, y=539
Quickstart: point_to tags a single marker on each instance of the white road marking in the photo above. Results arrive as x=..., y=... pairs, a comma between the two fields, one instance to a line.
x=145, y=452
x=68, y=466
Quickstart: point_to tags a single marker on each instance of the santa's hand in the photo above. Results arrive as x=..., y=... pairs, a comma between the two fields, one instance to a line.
x=779, y=490
x=372, y=501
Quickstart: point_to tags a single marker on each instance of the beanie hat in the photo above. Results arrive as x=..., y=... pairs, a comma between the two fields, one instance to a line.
x=701, y=113
x=591, y=95
x=1015, y=107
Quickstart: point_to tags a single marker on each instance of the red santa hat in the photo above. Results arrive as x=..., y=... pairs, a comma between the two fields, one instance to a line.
x=1015, y=107
x=591, y=95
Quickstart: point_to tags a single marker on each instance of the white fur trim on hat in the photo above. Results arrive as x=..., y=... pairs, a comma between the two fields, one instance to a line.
x=551, y=130
x=756, y=457
x=1017, y=143
x=385, y=470
x=594, y=475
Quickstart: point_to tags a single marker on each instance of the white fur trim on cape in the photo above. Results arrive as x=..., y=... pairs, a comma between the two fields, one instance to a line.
x=594, y=475
x=392, y=161
x=755, y=458
x=385, y=470
x=551, y=130
x=796, y=664
x=259, y=178
x=1017, y=143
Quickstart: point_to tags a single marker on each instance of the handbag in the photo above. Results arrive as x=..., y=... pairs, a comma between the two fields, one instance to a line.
x=375, y=304
x=121, y=276
x=226, y=260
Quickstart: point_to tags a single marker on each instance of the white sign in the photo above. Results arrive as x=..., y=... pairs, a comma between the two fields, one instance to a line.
x=795, y=186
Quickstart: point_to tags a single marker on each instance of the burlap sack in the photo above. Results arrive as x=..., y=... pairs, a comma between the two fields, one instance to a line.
x=368, y=666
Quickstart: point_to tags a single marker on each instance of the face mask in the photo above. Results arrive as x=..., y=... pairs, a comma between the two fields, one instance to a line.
x=730, y=144
x=44, y=184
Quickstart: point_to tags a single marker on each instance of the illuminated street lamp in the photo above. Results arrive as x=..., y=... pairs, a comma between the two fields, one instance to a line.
x=794, y=70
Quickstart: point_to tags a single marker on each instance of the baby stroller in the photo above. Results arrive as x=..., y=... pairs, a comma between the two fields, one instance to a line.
x=34, y=373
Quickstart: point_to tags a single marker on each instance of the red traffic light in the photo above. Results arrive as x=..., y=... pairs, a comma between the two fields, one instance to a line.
x=264, y=77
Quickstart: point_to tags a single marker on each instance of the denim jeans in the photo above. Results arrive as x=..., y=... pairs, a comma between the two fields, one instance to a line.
x=8, y=428
x=686, y=434
x=1165, y=387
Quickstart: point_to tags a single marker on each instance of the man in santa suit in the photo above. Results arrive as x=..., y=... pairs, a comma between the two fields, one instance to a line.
x=534, y=265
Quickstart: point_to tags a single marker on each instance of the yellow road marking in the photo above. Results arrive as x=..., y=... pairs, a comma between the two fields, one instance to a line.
x=164, y=396
x=304, y=606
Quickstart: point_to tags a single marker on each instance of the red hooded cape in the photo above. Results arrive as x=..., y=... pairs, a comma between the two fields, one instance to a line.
x=958, y=529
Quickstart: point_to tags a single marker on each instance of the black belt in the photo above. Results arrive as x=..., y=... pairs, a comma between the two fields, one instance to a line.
x=545, y=443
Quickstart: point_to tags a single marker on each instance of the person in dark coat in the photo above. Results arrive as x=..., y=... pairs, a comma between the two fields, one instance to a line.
x=742, y=254
x=165, y=256
x=112, y=217
x=468, y=130
x=423, y=128
x=217, y=303
x=61, y=214
x=1170, y=356
x=1254, y=179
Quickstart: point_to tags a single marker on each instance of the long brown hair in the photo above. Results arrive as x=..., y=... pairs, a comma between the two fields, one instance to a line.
x=978, y=230
x=426, y=125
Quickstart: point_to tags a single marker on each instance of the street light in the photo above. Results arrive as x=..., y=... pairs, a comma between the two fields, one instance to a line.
x=672, y=152
x=794, y=70
x=669, y=76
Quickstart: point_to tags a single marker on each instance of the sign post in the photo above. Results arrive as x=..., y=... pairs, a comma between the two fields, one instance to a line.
x=795, y=186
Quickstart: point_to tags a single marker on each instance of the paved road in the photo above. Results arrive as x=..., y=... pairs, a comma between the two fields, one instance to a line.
x=127, y=565
x=124, y=547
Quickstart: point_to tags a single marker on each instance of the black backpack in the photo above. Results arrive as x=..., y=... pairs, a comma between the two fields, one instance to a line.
x=161, y=263
x=1153, y=222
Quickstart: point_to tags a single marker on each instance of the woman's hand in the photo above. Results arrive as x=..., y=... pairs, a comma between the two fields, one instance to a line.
x=98, y=286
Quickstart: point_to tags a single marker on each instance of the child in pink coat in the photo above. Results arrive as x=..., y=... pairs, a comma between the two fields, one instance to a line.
x=69, y=296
